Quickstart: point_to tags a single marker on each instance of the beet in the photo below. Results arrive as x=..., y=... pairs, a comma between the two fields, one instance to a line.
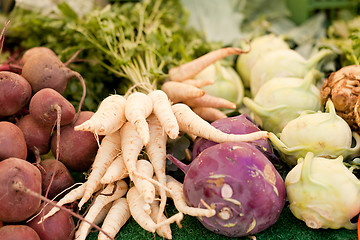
x=43, y=107
x=60, y=226
x=241, y=124
x=240, y=182
x=28, y=54
x=62, y=179
x=15, y=93
x=37, y=136
x=77, y=149
x=12, y=141
x=17, y=232
x=17, y=176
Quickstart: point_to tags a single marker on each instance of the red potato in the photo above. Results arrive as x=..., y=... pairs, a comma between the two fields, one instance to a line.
x=77, y=149
x=12, y=141
x=17, y=232
x=15, y=93
x=18, y=176
x=46, y=104
x=37, y=136
x=60, y=226
x=61, y=181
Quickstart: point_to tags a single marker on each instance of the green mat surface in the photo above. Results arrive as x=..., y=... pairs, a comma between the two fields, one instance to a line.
x=286, y=228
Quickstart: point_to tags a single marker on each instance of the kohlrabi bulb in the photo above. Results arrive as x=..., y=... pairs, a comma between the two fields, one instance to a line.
x=280, y=100
x=323, y=133
x=323, y=192
x=227, y=82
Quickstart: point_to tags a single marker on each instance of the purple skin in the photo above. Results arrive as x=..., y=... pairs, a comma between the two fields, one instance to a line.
x=240, y=182
x=241, y=124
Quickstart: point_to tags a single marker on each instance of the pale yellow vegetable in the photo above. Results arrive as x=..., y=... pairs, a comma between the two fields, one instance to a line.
x=178, y=91
x=199, y=82
x=209, y=101
x=145, y=188
x=165, y=230
x=116, y=171
x=209, y=114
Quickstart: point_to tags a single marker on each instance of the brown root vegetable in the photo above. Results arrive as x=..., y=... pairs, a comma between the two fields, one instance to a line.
x=37, y=136
x=12, y=141
x=77, y=149
x=34, y=51
x=60, y=226
x=17, y=176
x=61, y=180
x=45, y=106
x=343, y=89
x=45, y=70
x=15, y=93
x=14, y=232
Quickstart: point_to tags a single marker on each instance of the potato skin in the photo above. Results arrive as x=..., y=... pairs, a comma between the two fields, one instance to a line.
x=17, y=206
x=12, y=141
x=15, y=93
x=77, y=148
x=14, y=232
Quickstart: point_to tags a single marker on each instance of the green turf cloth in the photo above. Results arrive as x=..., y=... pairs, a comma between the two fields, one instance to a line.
x=286, y=228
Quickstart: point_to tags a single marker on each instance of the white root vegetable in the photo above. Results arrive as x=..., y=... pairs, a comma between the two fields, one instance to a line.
x=131, y=146
x=210, y=101
x=70, y=197
x=136, y=205
x=177, y=196
x=108, y=118
x=108, y=150
x=111, y=193
x=138, y=107
x=162, y=110
x=117, y=216
x=190, y=69
x=192, y=124
x=144, y=187
x=156, y=151
x=165, y=230
x=178, y=91
x=116, y=171
x=209, y=114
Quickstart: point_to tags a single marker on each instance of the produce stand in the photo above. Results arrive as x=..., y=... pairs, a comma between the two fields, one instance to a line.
x=287, y=226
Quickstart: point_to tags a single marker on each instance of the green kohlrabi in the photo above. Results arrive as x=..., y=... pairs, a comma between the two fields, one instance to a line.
x=323, y=192
x=282, y=63
x=227, y=82
x=283, y=99
x=259, y=46
x=322, y=133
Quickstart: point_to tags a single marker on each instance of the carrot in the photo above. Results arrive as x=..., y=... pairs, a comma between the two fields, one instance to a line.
x=138, y=107
x=192, y=124
x=131, y=146
x=165, y=230
x=162, y=110
x=146, y=188
x=199, y=82
x=108, y=150
x=70, y=197
x=111, y=193
x=116, y=171
x=209, y=101
x=108, y=118
x=156, y=151
x=209, y=114
x=180, y=203
x=136, y=205
x=117, y=216
x=191, y=69
x=178, y=91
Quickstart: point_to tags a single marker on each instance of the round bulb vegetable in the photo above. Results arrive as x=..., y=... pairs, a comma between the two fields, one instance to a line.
x=323, y=192
x=240, y=183
x=282, y=63
x=280, y=100
x=323, y=133
x=259, y=46
x=227, y=82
